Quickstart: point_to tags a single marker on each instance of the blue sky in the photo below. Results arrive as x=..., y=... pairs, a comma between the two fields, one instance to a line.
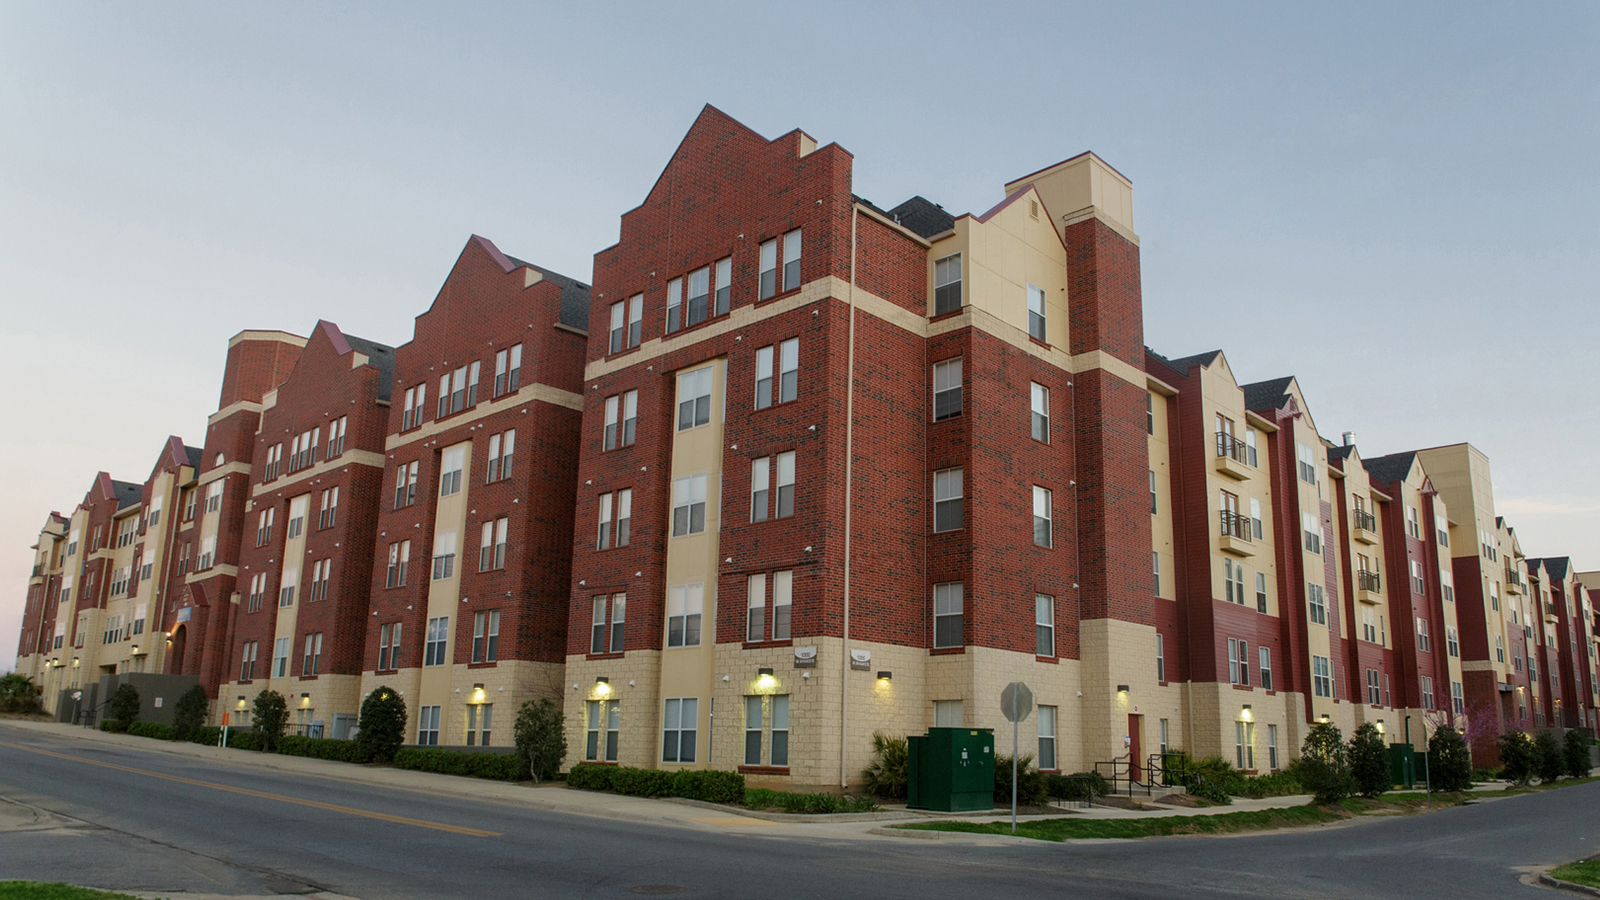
x=1395, y=203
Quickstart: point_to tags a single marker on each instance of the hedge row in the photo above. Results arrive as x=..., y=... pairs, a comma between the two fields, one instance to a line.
x=711, y=786
x=788, y=801
x=499, y=766
x=319, y=748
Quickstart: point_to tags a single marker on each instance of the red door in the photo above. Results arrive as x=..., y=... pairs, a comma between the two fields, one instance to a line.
x=1135, y=750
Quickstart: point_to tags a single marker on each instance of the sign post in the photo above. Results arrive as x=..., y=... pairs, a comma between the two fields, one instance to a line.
x=1016, y=702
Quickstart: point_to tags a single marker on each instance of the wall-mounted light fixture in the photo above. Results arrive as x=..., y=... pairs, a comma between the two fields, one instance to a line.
x=1122, y=689
x=477, y=693
x=1323, y=719
x=602, y=686
x=134, y=650
x=764, y=678
x=1380, y=726
x=305, y=699
x=885, y=676
x=241, y=701
x=1245, y=715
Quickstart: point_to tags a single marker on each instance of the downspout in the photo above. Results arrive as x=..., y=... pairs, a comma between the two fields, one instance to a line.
x=849, y=487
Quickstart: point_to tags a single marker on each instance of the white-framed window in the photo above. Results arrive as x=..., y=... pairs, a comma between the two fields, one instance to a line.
x=312, y=659
x=1441, y=530
x=328, y=515
x=1042, y=534
x=1250, y=453
x=389, y=646
x=791, y=260
x=399, y=563
x=694, y=398
x=1155, y=570
x=1423, y=643
x=947, y=500
x=685, y=604
x=760, y=488
x=502, y=453
x=247, y=660
x=1261, y=592
x=768, y=286
x=1317, y=603
x=699, y=308
x=1312, y=526
x=452, y=461
x=786, y=481
x=428, y=726
x=1272, y=747
x=480, y=723
x=1150, y=414
x=1036, y=320
x=258, y=591
x=492, y=544
x=274, y=457
x=1255, y=518
x=411, y=412
x=1447, y=586
x=1265, y=657
x=948, y=608
x=1458, y=700
x=152, y=518
x=297, y=516
x=1374, y=693
x=947, y=284
x=948, y=714
x=1427, y=692
x=782, y=604
x=1039, y=404
x=724, y=285
x=508, y=370
x=1233, y=581
x=286, y=589
x=1244, y=737
x=321, y=574
x=1161, y=658
x=622, y=419
x=1308, y=463
x=280, y=658
x=405, y=484
x=1452, y=642
x=604, y=720
x=689, y=504
x=435, y=647
x=1418, y=584
x=486, y=636
x=597, y=631
x=1500, y=651
x=336, y=434
x=1321, y=676
x=1047, y=739
x=947, y=389
x=618, y=326
x=680, y=721
x=603, y=539
x=264, y=523
x=444, y=555
x=213, y=497
x=784, y=385
x=760, y=713
x=1238, y=661
x=755, y=619
x=1044, y=624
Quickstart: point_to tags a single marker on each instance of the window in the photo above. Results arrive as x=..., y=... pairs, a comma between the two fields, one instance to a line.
x=480, y=722
x=1155, y=565
x=1044, y=624
x=1153, y=506
x=1238, y=662
x=1255, y=518
x=247, y=661
x=1233, y=581
x=622, y=419
x=1261, y=592
x=947, y=284
x=1447, y=586
x=689, y=505
x=291, y=580
x=502, y=450
x=724, y=285
x=1041, y=517
x=113, y=632
x=618, y=329
x=1036, y=320
x=1040, y=403
x=782, y=604
x=694, y=398
x=1418, y=585
x=1163, y=735
x=213, y=498
x=452, y=461
x=1458, y=702
x=947, y=499
x=1250, y=447
x=769, y=270
x=274, y=457
x=699, y=295
x=1423, y=643
x=411, y=413
x=405, y=484
x=1313, y=531
x=321, y=573
x=755, y=626
x=947, y=615
x=444, y=396
x=399, y=562
x=1321, y=676
x=336, y=430
x=1308, y=464
x=492, y=547
x=1161, y=658
x=754, y=718
x=389, y=646
x=760, y=481
x=1369, y=627
x=946, y=389
x=329, y=513
x=604, y=539
x=1150, y=414
x=597, y=640
x=264, y=526
x=1272, y=746
x=778, y=715
x=1047, y=738
x=444, y=555
x=508, y=365
x=486, y=636
x=428, y=726
x=1441, y=530
x=680, y=721
x=297, y=516
x=947, y=714
x=619, y=609
x=1316, y=602
x=1427, y=692
x=597, y=634
x=603, y=719
x=436, y=642
x=1244, y=737
x=472, y=386
x=787, y=356
x=313, y=654
x=791, y=260
x=280, y=658
x=1265, y=656
x=258, y=592
x=685, y=602
x=1500, y=652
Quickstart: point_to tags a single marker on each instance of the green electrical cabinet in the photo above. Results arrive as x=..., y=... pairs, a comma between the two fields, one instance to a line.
x=951, y=769
x=1403, y=763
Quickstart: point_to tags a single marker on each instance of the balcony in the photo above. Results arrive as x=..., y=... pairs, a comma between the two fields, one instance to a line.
x=1233, y=457
x=1514, y=583
x=1369, y=586
x=1364, y=526
x=1234, y=536
x=1551, y=614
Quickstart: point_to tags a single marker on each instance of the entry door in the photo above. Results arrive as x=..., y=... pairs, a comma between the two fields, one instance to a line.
x=1135, y=748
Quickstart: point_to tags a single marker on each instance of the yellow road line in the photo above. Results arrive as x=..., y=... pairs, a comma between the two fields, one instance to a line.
x=401, y=820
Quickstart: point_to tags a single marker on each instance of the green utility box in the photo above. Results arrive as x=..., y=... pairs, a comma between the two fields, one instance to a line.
x=951, y=770
x=1403, y=763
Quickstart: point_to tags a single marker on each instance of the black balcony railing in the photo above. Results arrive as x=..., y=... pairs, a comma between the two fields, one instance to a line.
x=1369, y=581
x=1514, y=578
x=1364, y=520
x=1235, y=525
x=37, y=571
x=1232, y=448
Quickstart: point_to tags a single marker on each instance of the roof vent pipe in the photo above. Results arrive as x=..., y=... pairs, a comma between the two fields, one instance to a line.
x=1349, y=438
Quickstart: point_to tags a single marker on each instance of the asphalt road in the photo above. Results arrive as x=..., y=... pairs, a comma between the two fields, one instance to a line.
x=132, y=819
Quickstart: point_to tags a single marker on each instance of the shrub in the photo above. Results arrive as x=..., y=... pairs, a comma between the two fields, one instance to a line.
x=499, y=766
x=1519, y=759
x=1275, y=784
x=590, y=777
x=712, y=786
x=243, y=740
x=1552, y=762
x=886, y=776
x=1083, y=786
x=1369, y=762
x=151, y=730
x=1575, y=747
x=319, y=748
x=541, y=738
x=1449, y=760
x=19, y=695
x=1325, y=765
x=113, y=726
x=269, y=718
x=761, y=798
x=1183, y=769
x=189, y=713
x=1212, y=791
x=1033, y=787
x=124, y=705
x=1484, y=775
x=382, y=724
x=642, y=782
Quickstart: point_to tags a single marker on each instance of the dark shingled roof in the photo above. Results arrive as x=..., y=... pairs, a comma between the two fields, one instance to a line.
x=1183, y=364
x=1557, y=566
x=1341, y=451
x=1391, y=468
x=128, y=493
x=574, y=295
x=923, y=217
x=1266, y=394
x=193, y=454
x=379, y=356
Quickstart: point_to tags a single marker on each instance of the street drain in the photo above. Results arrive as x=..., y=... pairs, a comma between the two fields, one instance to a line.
x=658, y=889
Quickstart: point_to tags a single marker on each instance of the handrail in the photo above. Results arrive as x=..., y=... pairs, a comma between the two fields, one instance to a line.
x=1232, y=448
x=1369, y=581
x=1364, y=520
x=1235, y=525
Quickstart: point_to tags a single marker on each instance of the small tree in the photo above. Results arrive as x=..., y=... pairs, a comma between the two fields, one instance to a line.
x=269, y=717
x=541, y=738
x=886, y=775
x=1449, y=760
x=18, y=694
x=1033, y=787
x=1575, y=746
x=1518, y=757
x=1369, y=761
x=1552, y=762
x=1325, y=764
x=382, y=724
x=124, y=706
x=189, y=714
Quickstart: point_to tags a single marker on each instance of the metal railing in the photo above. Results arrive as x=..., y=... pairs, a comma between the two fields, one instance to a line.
x=1232, y=448
x=1369, y=581
x=1234, y=525
x=1514, y=578
x=1364, y=520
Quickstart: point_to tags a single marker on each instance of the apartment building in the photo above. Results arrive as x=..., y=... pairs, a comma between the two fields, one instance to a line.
x=39, y=639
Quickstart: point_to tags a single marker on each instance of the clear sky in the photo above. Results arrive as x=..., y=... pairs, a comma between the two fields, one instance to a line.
x=1395, y=202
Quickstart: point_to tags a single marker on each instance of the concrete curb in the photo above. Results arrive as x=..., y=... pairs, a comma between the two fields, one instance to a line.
x=1550, y=881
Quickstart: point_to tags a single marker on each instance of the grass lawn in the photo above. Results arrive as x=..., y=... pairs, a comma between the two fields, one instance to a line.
x=1068, y=829
x=38, y=890
x=1414, y=795
x=1585, y=872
